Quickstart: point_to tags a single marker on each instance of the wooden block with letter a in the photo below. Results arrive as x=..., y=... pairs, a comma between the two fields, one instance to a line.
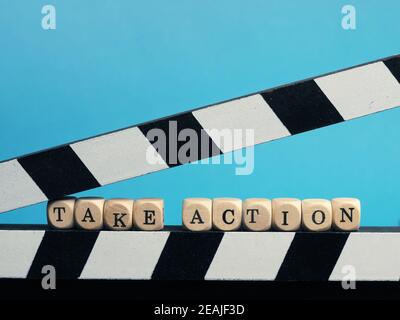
x=89, y=213
x=197, y=214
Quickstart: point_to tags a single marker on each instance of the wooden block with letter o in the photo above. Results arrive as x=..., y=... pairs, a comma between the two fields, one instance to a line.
x=118, y=214
x=346, y=213
x=286, y=214
x=316, y=214
x=60, y=213
x=227, y=214
x=89, y=213
x=148, y=214
x=257, y=214
x=197, y=214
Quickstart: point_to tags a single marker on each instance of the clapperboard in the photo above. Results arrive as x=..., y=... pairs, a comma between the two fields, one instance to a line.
x=176, y=254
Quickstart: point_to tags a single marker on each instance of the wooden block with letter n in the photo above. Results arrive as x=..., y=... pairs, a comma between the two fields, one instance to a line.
x=148, y=214
x=346, y=213
x=118, y=214
x=197, y=214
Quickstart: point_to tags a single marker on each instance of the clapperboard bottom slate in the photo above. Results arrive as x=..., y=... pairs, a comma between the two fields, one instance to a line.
x=174, y=254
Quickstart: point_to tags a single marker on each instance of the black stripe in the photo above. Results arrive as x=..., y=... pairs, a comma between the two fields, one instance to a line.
x=302, y=107
x=312, y=256
x=66, y=251
x=187, y=256
x=58, y=172
x=393, y=65
x=168, y=152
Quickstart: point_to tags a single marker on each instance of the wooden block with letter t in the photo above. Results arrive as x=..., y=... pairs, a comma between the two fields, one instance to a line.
x=118, y=214
x=60, y=213
x=257, y=214
x=227, y=214
x=346, y=213
x=197, y=214
x=148, y=214
x=89, y=213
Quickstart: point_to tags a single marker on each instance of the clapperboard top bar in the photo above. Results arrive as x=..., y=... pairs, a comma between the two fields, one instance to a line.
x=272, y=114
x=370, y=254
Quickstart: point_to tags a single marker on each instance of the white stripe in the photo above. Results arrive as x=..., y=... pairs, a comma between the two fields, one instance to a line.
x=118, y=156
x=251, y=112
x=249, y=256
x=374, y=256
x=17, y=251
x=362, y=90
x=124, y=255
x=17, y=189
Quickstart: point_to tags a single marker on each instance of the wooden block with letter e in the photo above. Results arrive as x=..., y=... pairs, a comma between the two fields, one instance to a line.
x=346, y=213
x=227, y=214
x=148, y=214
x=118, y=214
x=197, y=214
x=257, y=214
x=316, y=214
x=60, y=213
x=286, y=214
x=89, y=213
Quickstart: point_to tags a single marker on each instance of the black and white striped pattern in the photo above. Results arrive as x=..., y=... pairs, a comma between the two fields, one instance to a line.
x=272, y=114
x=374, y=253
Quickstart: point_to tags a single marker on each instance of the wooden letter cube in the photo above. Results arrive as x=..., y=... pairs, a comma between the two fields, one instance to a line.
x=317, y=214
x=227, y=214
x=118, y=214
x=89, y=213
x=197, y=214
x=148, y=214
x=60, y=213
x=257, y=214
x=286, y=214
x=346, y=214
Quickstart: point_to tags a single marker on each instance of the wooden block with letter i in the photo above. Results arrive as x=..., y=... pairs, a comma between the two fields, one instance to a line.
x=346, y=214
x=286, y=214
x=148, y=214
x=316, y=214
x=89, y=213
x=197, y=214
x=60, y=213
x=227, y=214
x=118, y=214
x=257, y=214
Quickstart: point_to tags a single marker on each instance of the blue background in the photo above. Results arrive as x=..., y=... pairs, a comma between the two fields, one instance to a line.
x=111, y=64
